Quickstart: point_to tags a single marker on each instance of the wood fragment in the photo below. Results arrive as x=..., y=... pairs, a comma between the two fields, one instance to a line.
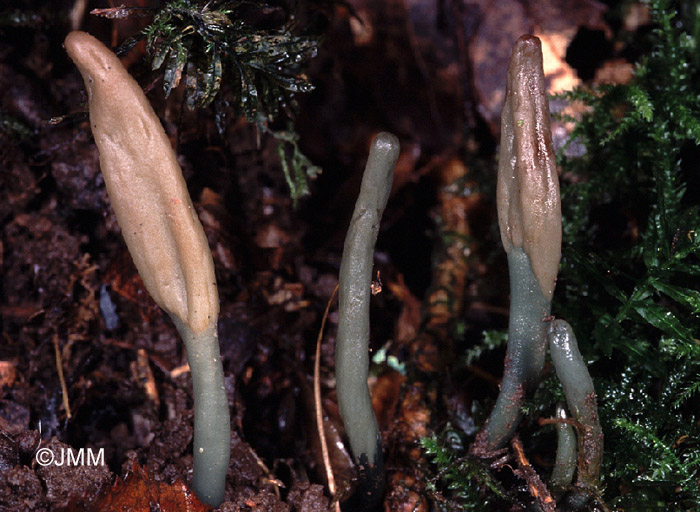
x=443, y=303
x=61, y=379
x=145, y=379
x=536, y=486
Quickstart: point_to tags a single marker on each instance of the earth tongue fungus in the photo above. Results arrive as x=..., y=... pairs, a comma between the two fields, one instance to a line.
x=352, y=348
x=165, y=239
x=580, y=397
x=529, y=217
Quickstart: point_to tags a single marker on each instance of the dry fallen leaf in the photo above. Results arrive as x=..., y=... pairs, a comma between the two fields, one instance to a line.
x=8, y=374
x=139, y=492
x=499, y=26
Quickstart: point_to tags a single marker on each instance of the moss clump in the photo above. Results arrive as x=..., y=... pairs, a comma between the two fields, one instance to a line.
x=235, y=46
x=631, y=233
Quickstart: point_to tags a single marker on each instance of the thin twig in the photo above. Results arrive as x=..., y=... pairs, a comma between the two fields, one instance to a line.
x=317, y=403
x=62, y=380
x=536, y=486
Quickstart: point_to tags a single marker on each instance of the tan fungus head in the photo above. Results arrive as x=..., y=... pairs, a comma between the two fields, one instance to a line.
x=529, y=205
x=146, y=188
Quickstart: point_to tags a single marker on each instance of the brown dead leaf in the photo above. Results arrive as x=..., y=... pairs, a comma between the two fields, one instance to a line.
x=616, y=71
x=410, y=317
x=219, y=227
x=8, y=374
x=126, y=282
x=361, y=27
x=139, y=492
x=499, y=26
x=405, y=480
x=385, y=395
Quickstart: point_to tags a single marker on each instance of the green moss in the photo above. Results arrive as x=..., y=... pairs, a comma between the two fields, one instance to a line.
x=630, y=271
x=212, y=45
x=460, y=479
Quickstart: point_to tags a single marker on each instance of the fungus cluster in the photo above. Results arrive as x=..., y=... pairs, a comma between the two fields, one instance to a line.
x=529, y=217
x=170, y=251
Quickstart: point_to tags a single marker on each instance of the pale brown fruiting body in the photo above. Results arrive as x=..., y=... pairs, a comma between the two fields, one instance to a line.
x=529, y=204
x=529, y=217
x=144, y=181
x=165, y=238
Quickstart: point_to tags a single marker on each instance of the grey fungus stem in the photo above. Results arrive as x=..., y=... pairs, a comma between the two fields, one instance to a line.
x=581, y=399
x=525, y=354
x=165, y=239
x=529, y=217
x=352, y=346
x=212, y=435
x=565, y=462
